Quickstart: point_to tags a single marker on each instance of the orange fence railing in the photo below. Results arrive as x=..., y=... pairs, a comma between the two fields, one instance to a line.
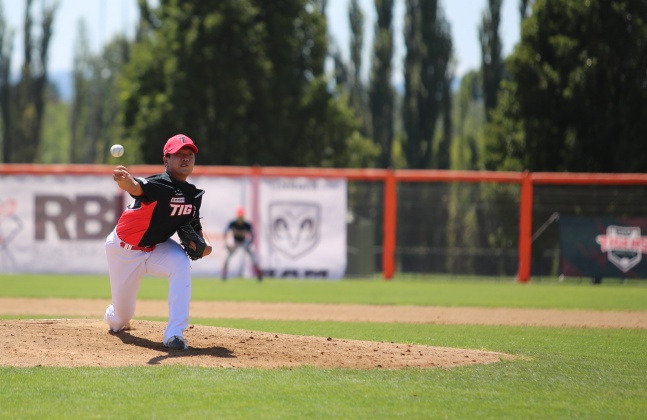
x=390, y=180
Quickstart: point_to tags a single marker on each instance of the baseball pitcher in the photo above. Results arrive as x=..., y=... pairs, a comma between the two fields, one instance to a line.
x=141, y=242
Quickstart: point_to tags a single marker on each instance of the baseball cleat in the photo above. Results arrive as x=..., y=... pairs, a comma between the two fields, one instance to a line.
x=176, y=343
x=126, y=327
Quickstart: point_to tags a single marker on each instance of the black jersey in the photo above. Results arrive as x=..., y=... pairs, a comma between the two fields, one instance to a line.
x=165, y=205
x=241, y=231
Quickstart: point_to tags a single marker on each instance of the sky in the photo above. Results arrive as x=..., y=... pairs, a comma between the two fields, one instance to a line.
x=106, y=18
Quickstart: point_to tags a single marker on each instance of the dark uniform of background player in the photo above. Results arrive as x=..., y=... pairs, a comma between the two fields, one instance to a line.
x=242, y=235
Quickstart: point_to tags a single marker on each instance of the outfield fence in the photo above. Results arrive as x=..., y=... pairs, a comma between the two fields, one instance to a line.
x=445, y=222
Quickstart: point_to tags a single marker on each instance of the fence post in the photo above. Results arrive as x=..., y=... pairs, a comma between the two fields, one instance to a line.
x=525, y=228
x=255, y=204
x=390, y=208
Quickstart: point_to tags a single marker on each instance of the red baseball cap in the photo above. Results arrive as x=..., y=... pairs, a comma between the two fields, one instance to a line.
x=178, y=141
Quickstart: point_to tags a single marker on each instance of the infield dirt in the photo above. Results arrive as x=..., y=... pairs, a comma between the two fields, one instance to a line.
x=87, y=342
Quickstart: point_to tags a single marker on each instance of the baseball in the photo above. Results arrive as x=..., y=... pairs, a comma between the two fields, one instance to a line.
x=117, y=150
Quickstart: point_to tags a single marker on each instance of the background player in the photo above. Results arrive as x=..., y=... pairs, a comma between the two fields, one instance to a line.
x=141, y=242
x=240, y=234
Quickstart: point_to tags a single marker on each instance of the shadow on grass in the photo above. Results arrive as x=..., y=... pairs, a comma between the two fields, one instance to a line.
x=127, y=338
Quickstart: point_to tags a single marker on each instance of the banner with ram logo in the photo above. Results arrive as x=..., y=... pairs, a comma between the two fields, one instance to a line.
x=304, y=227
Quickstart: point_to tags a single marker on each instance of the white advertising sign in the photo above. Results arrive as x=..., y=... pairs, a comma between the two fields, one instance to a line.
x=303, y=227
x=58, y=224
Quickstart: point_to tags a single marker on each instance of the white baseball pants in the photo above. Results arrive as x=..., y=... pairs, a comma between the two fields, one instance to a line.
x=126, y=269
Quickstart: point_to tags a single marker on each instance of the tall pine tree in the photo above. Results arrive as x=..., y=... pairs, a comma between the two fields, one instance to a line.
x=491, y=59
x=6, y=42
x=427, y=80
x=381, y=93
x=24, y=103
x=357, y=95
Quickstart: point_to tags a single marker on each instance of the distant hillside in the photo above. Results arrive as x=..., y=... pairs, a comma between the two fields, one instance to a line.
x=62, y=79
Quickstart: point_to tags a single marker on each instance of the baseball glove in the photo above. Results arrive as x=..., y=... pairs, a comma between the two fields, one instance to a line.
x=192, y=243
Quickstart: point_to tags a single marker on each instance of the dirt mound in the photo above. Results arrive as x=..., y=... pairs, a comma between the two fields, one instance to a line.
x=87, y=342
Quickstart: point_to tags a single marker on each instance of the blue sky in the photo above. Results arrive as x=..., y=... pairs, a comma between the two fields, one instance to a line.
x=105, y=18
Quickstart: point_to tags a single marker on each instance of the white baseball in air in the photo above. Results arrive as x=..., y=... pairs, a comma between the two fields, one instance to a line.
x=117, y=150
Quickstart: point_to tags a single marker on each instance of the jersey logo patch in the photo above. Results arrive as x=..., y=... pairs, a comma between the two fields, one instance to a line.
x=177, y=200
x=181, y=209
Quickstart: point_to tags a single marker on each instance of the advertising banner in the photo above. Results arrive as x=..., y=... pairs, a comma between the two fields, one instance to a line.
x=303, y=227
x=58, y=224
x=603, y=247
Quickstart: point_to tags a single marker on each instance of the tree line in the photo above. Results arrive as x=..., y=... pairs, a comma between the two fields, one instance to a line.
x=248, y=80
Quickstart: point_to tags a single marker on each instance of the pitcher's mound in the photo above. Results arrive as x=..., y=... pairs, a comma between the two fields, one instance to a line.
x=87, y=342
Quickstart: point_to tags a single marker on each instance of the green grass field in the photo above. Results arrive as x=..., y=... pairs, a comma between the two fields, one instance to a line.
x=561, y=372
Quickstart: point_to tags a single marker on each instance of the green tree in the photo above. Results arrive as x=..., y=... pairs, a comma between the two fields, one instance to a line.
x=108, y=72
x=357, y=95
x=341, y=71
x=524, y=8
x=417, y=149
x=6, y=42
x=94, y=113
x=491, y=58
x=244, y=78
x=443, y=152
x=54, y=146
x=24, y=104
x=469, y=115
x=576, y=97
x=426, y=104
x=80, y=107
x=465, y=215
x=381, y=92
x=427, y=75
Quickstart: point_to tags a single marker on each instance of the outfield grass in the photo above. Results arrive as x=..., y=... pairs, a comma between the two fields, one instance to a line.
x=437, y=291
x=561, y=372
